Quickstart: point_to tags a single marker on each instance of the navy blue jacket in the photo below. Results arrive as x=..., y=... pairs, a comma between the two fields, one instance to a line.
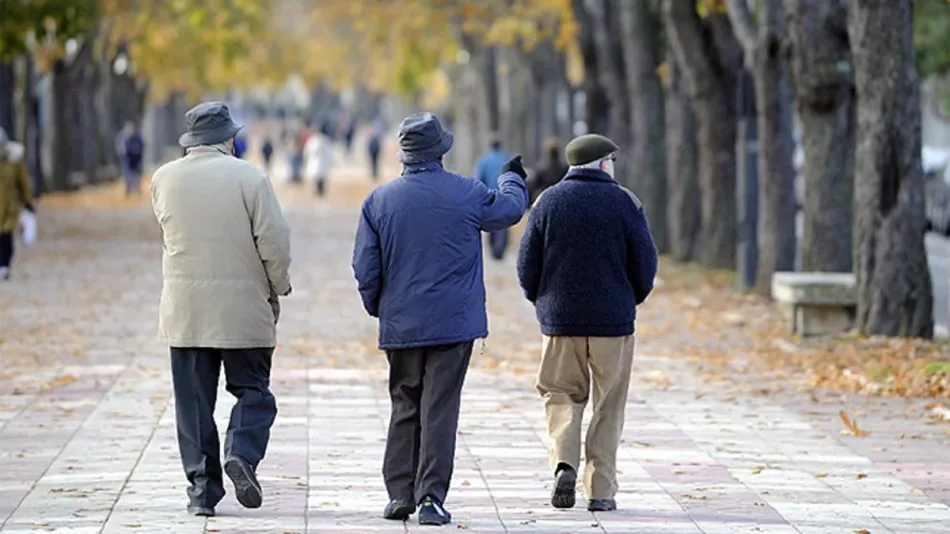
x=587, y=257
x=418, y=255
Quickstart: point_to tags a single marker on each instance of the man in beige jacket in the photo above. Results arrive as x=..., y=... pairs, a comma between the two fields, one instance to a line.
x=226, y=254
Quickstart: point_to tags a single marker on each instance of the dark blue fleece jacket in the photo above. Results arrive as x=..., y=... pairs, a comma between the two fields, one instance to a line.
x=587, y=257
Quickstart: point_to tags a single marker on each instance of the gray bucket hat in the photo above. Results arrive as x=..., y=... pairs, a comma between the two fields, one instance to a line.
x=422, y=138
x=208, y=123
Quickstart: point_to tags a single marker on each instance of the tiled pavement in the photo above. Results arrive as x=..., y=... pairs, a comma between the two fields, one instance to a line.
x=87, y=441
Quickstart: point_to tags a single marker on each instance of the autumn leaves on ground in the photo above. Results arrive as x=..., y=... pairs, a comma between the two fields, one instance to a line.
x=694, y=315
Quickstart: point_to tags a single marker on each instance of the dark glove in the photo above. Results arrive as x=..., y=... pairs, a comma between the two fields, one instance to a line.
x=514, y=165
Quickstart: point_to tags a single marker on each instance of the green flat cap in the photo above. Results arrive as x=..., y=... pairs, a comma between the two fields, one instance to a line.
x=588, y=148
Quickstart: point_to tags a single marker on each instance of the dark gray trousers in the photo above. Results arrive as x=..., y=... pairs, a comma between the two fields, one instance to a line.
x=195, y=373
x=425, y=385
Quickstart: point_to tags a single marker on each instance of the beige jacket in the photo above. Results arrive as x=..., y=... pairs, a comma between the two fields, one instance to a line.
x=226, y=252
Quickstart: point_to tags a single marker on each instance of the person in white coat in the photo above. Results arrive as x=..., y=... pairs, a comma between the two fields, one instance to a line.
x=318, y=154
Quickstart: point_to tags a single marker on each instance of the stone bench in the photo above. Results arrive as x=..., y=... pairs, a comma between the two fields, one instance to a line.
x=821, y=303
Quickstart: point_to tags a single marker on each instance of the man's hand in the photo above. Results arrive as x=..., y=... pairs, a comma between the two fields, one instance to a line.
x=514, y=165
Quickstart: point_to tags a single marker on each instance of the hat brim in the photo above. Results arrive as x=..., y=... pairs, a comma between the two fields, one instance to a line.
x=428, y=154
x=213, y=137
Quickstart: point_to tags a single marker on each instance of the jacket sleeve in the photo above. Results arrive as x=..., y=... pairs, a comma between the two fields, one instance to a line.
x=503, y=207
x=272, y=237
x=531, y=256
x=367, y=261
x=641, y=254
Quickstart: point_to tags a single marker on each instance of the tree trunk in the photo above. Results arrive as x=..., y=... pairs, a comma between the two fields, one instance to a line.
x=894, y=290
x=711, y=58
x=683, y=212
x=489, y=76
x=596, y=104
x=613, y=79
x=7, y=84
x=761, y=41
x=641, y=55
x=824, y=90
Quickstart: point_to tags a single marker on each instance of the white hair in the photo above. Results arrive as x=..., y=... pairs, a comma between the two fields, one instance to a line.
x=595, y=165
x=3, y=135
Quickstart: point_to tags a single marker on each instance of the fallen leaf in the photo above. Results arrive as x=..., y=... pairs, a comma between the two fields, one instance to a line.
x=852, y=425
x=821, y=475
x=862, y=531
x=757, y=469
x=862, y=475
x=466, y=483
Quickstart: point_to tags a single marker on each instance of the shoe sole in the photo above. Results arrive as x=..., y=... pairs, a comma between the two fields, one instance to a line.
x=248, y=493
x=565, y=492
x=400, y=514
x=434, y=522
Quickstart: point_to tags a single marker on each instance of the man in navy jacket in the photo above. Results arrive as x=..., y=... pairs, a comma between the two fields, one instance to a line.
x=418, y=261
x=587, y=260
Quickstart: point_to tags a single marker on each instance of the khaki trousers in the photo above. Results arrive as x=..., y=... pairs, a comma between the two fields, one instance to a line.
x=568, y=366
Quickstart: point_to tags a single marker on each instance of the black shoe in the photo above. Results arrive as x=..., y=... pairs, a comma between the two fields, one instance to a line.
x=201, y=511
x=399, y=509
x=565, y=487
x=601, y=505
x=246, y=487
x=431, y=512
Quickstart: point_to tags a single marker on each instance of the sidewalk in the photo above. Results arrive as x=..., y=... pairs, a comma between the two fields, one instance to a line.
x=87, y=441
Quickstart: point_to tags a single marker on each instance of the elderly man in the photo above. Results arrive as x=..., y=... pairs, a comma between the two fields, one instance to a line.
x=587, y=260
x=418, y=261
x=226, y=254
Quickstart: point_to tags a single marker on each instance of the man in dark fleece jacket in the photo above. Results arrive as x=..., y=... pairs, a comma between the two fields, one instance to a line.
x=587, y=260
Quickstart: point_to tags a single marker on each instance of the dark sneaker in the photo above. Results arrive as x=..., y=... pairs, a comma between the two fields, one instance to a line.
x=565, y=487
x=201, y=511
x=431, y=512
x=246, y=487
x=399, y=509
x=601, y=505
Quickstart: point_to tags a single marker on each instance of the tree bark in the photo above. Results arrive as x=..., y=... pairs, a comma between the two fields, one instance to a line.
x=7, y=84
x=761, y=41
x=893, y=277
x=683, y=213
x=596, y=104
x=711, y=58
x=613, y=79
x=648, y=129
x=824, y=91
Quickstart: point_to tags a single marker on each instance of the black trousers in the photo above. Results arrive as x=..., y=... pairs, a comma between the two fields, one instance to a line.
x=425, y=385
x=6, y=248
x=195, y=373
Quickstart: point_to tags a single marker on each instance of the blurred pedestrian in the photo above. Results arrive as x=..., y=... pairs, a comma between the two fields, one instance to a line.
x=267, y=151
x=418, y=261
x=227, y=251
x=240, y=146
x=318, y=154
x=554, y=169
x=487, y=169
x=349, y=130
x=587, y=260
x=16, y=194
x=130, y=149
x=375, y=145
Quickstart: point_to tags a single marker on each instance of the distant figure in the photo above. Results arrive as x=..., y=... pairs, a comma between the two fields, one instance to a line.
x=130, y=148
x=318, y=154
x=240, y=146
x=553, y=171
x=487, y=170
x=225, y=266
x=16, y=194
x=418, y=262
x=349, y=130
x=587, y=260
x=375, y=145
x=267, y=151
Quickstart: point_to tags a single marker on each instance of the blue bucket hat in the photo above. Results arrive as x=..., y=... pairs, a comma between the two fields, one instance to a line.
x=422, y=138
x=208, y=123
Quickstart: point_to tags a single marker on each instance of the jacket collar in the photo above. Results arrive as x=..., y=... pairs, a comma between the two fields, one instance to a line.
x=220, y=148
x=589, y=175
x=417, y=168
